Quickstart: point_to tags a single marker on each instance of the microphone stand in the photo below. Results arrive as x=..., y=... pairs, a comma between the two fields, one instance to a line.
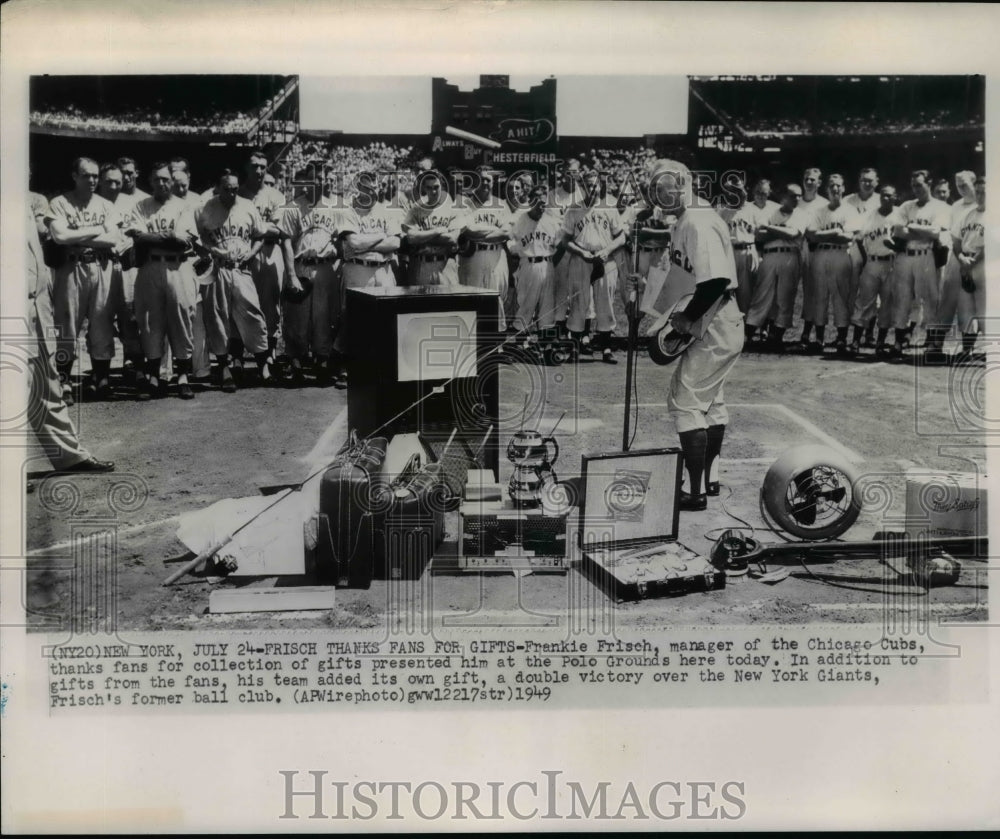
x=632, y=313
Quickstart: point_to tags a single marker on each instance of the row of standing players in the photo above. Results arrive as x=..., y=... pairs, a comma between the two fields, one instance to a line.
x=864, y=261
x=173, y=273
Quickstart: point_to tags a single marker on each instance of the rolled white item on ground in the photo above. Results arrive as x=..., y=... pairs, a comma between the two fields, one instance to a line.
x=472, y=138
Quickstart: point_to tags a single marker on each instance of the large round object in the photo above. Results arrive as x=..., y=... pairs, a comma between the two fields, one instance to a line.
x=810, y=492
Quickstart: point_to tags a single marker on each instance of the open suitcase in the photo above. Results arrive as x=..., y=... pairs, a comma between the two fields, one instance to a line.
x=345, y=539
x=628, y=527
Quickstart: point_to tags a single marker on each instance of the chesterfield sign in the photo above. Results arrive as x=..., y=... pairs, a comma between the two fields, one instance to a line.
x=524, y=132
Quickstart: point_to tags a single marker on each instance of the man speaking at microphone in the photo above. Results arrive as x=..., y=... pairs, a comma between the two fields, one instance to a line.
x=701, y=246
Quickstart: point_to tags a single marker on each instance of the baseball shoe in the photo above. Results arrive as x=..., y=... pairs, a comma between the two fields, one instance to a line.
x=90, y=390
x=29, y=487
x=692, y=503
x=840, y=347
x=814, y=348
x=340, y=382
x=91, y=464
x=586, y=348
x=713, y=488
x=226, y=380
x=67, y=396
x=184, y=390
x=608, y=357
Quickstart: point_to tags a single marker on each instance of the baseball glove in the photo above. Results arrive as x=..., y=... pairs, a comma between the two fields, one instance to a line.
x=968, y=284
x=597, y=271
x=290, y=294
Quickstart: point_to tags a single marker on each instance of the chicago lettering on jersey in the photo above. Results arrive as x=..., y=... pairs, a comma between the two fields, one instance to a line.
x=228, y=230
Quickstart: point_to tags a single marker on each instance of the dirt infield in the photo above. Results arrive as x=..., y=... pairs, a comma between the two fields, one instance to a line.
x=174, y=457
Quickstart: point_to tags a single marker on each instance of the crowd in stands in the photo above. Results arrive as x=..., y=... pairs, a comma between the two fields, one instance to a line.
x=144, y=120
x=932, y=120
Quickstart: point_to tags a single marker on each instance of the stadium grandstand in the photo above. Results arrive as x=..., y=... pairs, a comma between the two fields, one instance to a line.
x=157, y=117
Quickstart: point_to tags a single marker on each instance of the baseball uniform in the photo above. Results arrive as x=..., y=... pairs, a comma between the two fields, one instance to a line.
x=950, y=282
x=593, y=229
x=166, y=291
x=864, y=207
x=830, y=266
x=232, y=299
x=743, y=224
x=369, y=268
x=47, y=412
x=484, y=264
x=268, y=267
x=82, y=287
x=777, y=283
x=969, y=230
x=534, y=242
x=562, y=200
x=700, y=244
x=915, y=276
x=433, y=263
x=314, y=231
x=875, y=283
x=807, y=209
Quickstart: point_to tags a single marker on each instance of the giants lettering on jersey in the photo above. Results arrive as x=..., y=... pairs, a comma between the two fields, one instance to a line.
x=877, y=234
x=973, y=227
x=833, y=224
x=538, y=236
x=742, y=223
x=483, y=217
x=592, y=220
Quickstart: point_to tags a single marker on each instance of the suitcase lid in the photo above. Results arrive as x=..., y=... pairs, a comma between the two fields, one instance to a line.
x=629, y=498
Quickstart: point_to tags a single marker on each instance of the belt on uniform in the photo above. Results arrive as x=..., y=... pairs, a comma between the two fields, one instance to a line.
x=486, y=246
x=742, y=246
x=315, y=260
x=538, y=258
x=920, y=252
x=652, y=247
x=831, y=247
x=231, y=264
x=432, y=257
x=87, y=257
x=368, y=263
x=884, y=258
x=171, y=258
x=782, y=250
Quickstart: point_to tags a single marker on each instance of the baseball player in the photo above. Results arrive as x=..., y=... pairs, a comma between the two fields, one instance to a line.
x=942, y=190
x=565, y=195
x=968, y=242
x=743, y=221
x=915, y=275
x=866, y=201
x=482, y=255
x=313, y=227
x=374, y=234
x=88, y=227
x=39, y=209
x=874, y=300
x=162, y=226
x=47, y=413
x=200, y=360
x=592, y=232
x=534, y=240
x=233, y=232
x=130, y=180
x=779, y=238
x=950, y=283
x=109, y=187
x=700, y=244
x=831, y=230
x=268, y=266
x=431, y=229
x=810, y=201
